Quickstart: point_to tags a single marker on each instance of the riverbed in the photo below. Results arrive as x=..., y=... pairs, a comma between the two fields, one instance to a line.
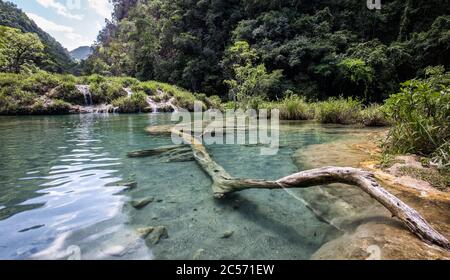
x=65, y=193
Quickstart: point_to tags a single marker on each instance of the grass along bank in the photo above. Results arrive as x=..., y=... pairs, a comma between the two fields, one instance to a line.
x=45, y=93
x=346, y=111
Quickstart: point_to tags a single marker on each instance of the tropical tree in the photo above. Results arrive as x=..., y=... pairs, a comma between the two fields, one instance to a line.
x=357, y=72
x=18, y=49
x=249, y=79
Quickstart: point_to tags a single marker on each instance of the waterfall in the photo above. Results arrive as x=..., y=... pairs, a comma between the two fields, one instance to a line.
x=170, y=103
x=152, y=104
x=128, y=91
x=84, y=89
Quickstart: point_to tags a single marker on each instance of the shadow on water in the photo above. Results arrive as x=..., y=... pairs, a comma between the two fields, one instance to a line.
x=250, y=211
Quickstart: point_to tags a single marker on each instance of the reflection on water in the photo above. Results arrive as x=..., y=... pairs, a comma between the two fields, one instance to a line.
x=58, y=176
x=61, y=191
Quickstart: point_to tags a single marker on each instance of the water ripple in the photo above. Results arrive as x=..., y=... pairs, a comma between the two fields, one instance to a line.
x=78, y=192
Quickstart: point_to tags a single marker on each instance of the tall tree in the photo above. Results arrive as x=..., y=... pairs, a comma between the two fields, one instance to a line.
x=19, y=49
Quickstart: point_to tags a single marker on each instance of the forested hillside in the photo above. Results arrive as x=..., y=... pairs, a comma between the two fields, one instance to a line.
x=316, y=48
x=56, y=58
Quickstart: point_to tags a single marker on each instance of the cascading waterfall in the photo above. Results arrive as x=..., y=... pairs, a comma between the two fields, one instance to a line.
x=128, y=91
x=90, y=108
x=152, y=104
x=150, y=101
x=84, y=89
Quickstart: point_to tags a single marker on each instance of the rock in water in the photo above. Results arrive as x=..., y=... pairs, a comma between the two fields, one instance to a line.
x=158, y=234
x=130, y=185
x=141, y=203
x=227, y=234
x=198, y=254
x=144, y=232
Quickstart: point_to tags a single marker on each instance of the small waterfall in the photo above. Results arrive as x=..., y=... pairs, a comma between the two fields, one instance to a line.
x=170, y=103
x=128, y=91
x=84, y=89
x=153, y=104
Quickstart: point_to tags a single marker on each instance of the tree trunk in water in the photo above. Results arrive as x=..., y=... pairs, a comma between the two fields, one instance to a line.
x=224, y=183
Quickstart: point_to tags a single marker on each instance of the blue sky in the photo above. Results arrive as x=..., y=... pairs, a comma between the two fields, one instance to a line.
x=73, y=23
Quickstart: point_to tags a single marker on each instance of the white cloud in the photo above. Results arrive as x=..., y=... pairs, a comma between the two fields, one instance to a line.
x=66, y=35
x=49, y=25
x=101, y=7
x=59, y=8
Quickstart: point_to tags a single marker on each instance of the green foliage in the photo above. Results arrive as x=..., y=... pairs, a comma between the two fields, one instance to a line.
x=324, y=48
x=55, y=107
x=294, y=107
x=69, y=93
x=14, y=100
x=20, y=93
x=438, y=179
x=105, y=91
x=134, y=104
x=420, y=115
x=373, y=115
x=18, y=51
x=357, y=72
x=339, y=111
x=163, y=91
x=249, y=80
x=40, y=82
x=55, y=58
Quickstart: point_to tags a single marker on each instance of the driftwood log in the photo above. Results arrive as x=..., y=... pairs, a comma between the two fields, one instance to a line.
x=224, y=183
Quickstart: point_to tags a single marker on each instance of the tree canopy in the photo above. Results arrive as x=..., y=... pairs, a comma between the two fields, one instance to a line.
x=323, y=48
x=55, y=57
x=18, y=50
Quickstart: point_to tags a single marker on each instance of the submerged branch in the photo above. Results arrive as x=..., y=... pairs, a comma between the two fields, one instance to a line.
x=224, y=183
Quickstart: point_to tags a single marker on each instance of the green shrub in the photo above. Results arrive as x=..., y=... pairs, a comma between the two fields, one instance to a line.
x=420, y=116
x=134, y=104
x=68, y=92
x=93, y=79
x=183, y=98
x=339, y=111
x=214, y=102
x=294, y=107
x=7, y=104
x=58, y=107
x=157, y=98
x=14, y=100
x=106, y=91
x=374, y=116
x=40, y=82
x=252, y=102
x=9, y=80
x=125, y=81
x=55, y=107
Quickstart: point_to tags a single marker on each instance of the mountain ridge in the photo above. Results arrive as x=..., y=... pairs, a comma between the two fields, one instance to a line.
x=81, y=53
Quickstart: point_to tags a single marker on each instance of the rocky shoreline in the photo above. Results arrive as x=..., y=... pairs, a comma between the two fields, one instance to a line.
x=369, y=231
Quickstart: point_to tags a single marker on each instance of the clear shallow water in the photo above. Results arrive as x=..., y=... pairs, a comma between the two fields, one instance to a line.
x=60, y=187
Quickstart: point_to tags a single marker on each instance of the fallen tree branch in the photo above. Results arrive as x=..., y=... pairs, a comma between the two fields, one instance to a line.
x=224, y=183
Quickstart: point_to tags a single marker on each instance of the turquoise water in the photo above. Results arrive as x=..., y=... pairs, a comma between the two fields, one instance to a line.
x=62, y=193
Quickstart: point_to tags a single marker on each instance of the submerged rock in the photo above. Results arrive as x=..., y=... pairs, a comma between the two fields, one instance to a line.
x=144, y=232
x=227, y=234
x=370, y=231
x=157, y=234
x=130, y=185
x=198, y=254
x=153, y=234
x=141, y=203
